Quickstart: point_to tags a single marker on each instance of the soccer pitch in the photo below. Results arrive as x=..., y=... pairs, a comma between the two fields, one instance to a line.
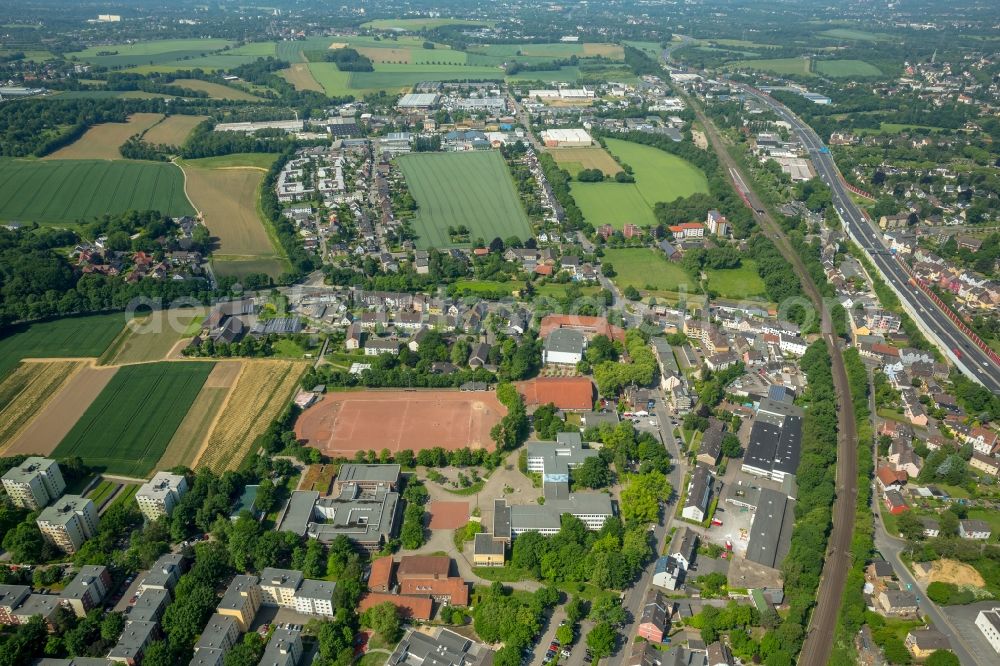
x=470, y=188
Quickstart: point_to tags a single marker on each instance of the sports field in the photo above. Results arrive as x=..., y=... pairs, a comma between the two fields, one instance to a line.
x=575, y=160
x=646, y=269
x=126, y=429
x=343, y=423
x=101, y=142
x=659, y=176
x=216, y=90
x=65, y=191
x=71, y=337
x=846, y=68
x=172, y=130
x=472, y=188
x=742, y=282
x=227, y=197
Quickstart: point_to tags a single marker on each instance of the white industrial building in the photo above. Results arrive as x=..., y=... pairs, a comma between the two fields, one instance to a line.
x=566, y=138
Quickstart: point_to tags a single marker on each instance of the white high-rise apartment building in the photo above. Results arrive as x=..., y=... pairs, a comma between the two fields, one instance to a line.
x=69, y=522
x=35, y=483
x=160, y=495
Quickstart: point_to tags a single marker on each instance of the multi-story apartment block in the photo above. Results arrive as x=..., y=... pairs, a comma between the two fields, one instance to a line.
x=278, y=587
x=160, y=495
x=35, y=483
x=315, y=597
x=69, y=522
x=241, y=600
x=87, y=589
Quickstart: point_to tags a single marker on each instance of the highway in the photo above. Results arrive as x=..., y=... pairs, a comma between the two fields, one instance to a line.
x=969, y=358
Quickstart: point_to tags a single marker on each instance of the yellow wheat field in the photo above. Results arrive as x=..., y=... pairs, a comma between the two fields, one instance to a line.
x=263, y=389
x=26, y=390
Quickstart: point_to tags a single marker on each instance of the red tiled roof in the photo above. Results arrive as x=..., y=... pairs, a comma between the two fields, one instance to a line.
x=423, y=566
x=594, y=325
x=417, y=608
x=454, y=588
x=380, y=578
x=887, y=475
x=574, y=393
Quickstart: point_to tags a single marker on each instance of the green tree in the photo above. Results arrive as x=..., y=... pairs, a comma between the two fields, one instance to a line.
x=601, y=639
x=593, y=473
x=383, y=619
x=565, y=634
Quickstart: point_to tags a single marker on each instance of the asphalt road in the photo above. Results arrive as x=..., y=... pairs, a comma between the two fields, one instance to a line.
x=635, y=595
x=822, y=626
x=973, y=362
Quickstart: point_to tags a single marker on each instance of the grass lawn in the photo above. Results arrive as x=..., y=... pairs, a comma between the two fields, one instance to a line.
x=644, y=268
x=287, y=348
x=71, y=337
x=452, y=189
x=742, y=282
x=846, y=68
x=126, y=495
x=127, y=427
x=616, y=204
x=556, y=290
x=504, y=574
x=101, y=492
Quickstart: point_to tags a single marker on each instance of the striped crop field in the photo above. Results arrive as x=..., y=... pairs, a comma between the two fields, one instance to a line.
x=126, y=429
x=26, y=390
x=469, y=188
x=263, y=389
x=65, y=191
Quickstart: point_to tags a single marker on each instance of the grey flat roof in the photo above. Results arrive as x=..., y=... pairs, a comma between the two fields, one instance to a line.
x=316, y=589
x=501, y=519
x=132, y=640
x=218, y=628
x=11, y=595
x=236, y=597
x=163, y=569
x=446, y=649
x=774, y=447
x=486, y=544
x=150, y=604
x=28, y=469
x=368, y=473
x=63, y=509
x=771, y=530
x=548, y=516
x=566, y=340
x=285, y=578
x=364, y=516
x=38, y=604
x=280, y=647
x=299, y=511
x=82, y=582
x=207, y=656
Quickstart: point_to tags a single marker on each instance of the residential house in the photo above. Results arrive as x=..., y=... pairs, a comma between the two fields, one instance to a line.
x=988, y=622
x=683, y=546
x=699, y=492
x=922, y=643
x=654, y=620
x=896, y=603
x=985, y=463
x=895, y=503
x=667, y=573
x=87, y=589
x=974, y=529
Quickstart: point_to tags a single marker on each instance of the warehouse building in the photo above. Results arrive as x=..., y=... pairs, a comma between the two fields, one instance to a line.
x=566, y=138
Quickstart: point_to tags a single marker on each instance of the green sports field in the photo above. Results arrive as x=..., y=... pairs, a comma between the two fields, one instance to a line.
x=659, y=176
x=474, y=189
x=742, y=282
x=72, y=337
x=128, y=426
x=65, y=191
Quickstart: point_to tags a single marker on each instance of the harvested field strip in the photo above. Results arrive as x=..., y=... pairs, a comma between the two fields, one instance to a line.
x=101, y=142
x=216, y=90
x=194, y=429
x=151, y=338
x=587, y=158
x=173, y=130
x=262, y=391
x=26, y=391
x=138, y=411
x=56, y=419
x=300, y=77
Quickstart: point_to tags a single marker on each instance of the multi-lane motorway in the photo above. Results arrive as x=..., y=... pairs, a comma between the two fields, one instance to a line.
x=969, y=358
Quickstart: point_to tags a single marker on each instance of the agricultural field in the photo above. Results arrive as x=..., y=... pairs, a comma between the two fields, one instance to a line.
x=172, y=130
x=652, y=49
x=101, y=142
x=216, y=90
x=647, y=270
x=44, y=433
x=845, y=68
x=190, y=435
x=127, y=428
x=575, y=160
x=151, y=338
x=800, y=66
x=71, y=337
x=474, y=189
x=659, y=176
x=301, y=77
x=151, y=52
x=550, y=51
x=61, y=192
x=736, y=283
x=227, y=197
x=334, y=82
x=209, y=63
x=26, y=391
x=854, y=35
x=263, y=389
